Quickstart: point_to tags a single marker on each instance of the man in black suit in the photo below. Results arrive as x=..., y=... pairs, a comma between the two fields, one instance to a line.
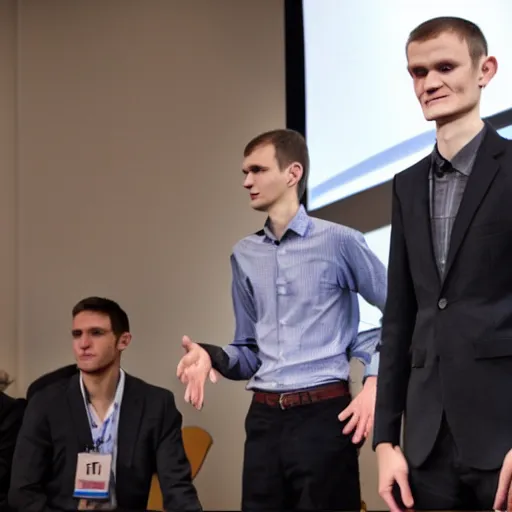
x=102, y=414
x=11, y=416
x=446, y=354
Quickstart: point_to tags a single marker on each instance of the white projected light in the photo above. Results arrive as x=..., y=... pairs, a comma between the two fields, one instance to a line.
x=363, y=121
x=378, y=241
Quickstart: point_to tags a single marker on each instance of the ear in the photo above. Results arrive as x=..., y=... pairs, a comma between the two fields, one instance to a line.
x=488, y=68
x=294, y=174
x=123, y=341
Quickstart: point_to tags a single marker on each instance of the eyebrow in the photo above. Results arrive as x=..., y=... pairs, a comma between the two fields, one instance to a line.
x=437, y=64
x=77, y=332
x=254, y=168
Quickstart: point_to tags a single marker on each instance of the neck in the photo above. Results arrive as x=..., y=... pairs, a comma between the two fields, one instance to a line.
x=453, y=135
x=280, y=216
x=102, y=387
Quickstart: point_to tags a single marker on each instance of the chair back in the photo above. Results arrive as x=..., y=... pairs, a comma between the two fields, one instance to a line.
x=196, y=442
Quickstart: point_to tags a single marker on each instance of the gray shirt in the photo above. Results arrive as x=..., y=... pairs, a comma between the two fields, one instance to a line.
x=447, y=181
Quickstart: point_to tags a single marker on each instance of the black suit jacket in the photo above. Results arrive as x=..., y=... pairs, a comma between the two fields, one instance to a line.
x=11, y=416
x=447, y=343
x=56, y=428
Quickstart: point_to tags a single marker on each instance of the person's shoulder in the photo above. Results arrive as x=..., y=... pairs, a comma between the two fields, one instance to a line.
x=6, y=401
x=508, y=146
x=11, y=407
x=415, y=169
x=51, y=393
x=334, y=231
x=156, y=394
x=248, y=242
x=48, y=401
x=59, y=375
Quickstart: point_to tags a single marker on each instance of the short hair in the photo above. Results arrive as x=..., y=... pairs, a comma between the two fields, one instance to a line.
x=465, y=29
x=118, y=318
x=290, y=146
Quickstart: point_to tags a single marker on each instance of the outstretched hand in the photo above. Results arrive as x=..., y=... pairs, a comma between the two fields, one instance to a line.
x=193, y=370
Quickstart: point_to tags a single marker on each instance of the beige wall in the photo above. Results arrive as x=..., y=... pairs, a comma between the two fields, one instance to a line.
x=132, y=116
x=8, y=190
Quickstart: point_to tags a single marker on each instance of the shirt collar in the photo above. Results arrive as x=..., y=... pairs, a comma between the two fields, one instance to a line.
x=119, y=390
x=463, y=160
x=299, y=224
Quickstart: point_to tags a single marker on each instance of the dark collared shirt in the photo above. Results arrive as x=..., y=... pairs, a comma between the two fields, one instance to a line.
x=448, y=180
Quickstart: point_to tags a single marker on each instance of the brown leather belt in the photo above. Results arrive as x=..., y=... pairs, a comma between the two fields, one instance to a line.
x=302, y=397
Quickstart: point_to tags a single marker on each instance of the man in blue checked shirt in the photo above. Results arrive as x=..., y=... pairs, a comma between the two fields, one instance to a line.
x=295, y=287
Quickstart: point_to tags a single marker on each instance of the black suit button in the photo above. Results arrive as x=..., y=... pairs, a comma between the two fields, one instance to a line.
x=442, y=303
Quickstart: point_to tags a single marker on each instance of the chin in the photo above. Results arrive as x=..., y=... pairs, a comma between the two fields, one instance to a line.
x=440, y=115
x=91, y=367
x=259, y=206
x=444, y=113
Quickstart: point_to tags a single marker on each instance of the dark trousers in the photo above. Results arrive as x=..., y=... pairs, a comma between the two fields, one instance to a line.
x=299, y=459
x=443, y=482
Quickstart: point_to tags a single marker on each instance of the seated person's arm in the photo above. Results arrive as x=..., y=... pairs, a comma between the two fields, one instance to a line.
x=173, y=468
x=32, y=458
x=9, y=428
x=239, y=360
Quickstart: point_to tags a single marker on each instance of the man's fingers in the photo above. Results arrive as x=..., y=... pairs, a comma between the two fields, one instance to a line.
x=369, y=426
x=360, y=430
x=186, y=343
x=200, y=401
x=213, y=376
x=180, y=369
x=405, y=491
x=387, y=496
x=346, y=413
x=198, y=396
x=351, y=425
x=186, y=362
x=502, y=494
x=186, y=397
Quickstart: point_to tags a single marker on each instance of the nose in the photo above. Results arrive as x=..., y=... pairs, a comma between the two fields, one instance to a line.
x=84, y=342
x=432, y=82
x=249, y=180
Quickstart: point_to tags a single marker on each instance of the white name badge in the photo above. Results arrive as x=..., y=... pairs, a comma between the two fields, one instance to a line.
x=92, y=480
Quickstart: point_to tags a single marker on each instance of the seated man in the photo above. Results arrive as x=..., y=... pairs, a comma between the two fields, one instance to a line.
x=94, y=440
x=11, y=416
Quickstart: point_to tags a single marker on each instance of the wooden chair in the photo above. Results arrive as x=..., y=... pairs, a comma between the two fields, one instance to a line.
x=196, y=442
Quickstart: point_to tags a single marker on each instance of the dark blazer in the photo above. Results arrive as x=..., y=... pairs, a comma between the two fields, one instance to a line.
x=65, y=372
x=447, y=343
x=11, y=416
x=56, y=428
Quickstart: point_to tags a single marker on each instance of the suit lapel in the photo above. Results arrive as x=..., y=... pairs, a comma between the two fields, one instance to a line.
x=130, y=416
x=421, y=198
x=80, y=419
x=484, y=171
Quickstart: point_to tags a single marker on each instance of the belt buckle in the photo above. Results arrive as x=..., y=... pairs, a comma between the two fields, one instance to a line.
x=281, y=397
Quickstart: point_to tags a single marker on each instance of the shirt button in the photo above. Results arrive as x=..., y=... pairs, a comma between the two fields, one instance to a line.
x=442, y=303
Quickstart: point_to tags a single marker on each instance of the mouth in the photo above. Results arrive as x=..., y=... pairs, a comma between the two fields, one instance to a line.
x=434, y=100
x=254, y=196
